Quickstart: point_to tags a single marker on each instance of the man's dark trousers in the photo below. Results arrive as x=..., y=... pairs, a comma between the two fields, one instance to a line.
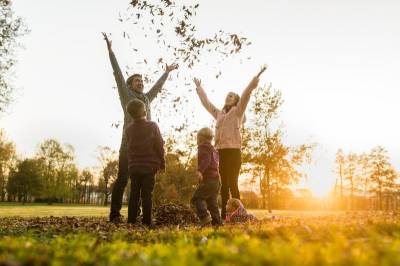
x=142, y=185
x=121, y=181
x=207, y=191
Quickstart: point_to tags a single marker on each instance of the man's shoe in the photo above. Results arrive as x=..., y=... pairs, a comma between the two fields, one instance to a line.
x=117, y=220
x=150, y=226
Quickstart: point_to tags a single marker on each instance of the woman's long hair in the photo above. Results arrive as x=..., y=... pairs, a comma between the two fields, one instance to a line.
x=227, y=108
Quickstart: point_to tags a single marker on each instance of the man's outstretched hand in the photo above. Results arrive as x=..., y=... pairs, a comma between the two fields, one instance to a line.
x=169, y=68
x=109, y=43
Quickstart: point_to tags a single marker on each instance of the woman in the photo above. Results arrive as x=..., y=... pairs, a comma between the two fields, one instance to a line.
x=228, y=139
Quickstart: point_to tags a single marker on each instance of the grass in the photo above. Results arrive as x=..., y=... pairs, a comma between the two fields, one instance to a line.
x=290, y=238
x=42, y=210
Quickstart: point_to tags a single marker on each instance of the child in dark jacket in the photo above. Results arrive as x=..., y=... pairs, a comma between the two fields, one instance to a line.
x=209, y=180
x=145, y=159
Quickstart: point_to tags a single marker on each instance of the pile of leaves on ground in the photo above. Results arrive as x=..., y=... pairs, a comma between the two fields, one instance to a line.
x=174, y=214
x=167, y=215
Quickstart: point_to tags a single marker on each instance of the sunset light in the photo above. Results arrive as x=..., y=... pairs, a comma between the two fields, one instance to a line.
x=199, y=132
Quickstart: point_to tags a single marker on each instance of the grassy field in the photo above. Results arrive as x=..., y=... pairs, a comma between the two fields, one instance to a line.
x=34, y=210
x=288, y=238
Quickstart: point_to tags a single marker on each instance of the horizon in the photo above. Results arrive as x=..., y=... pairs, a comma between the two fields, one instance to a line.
x=66, y=62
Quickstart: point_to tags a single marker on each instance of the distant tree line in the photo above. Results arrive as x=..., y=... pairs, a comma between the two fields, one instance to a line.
x=52, y=176
x=366, y=181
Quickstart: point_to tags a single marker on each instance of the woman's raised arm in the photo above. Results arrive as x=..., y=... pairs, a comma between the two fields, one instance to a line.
x=244, y=99
x=204, y=99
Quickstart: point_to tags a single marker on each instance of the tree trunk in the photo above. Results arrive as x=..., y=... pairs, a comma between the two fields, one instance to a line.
x=269, y=191
x=84, y=200
x=105, y=200
x=105, y=196
x=25, y=198
x=262, y=191
x=365, y=191
x=351, y=194
x=88, y=195
x=380, y=197
x=3, y=184
x=341, y=187
x=263, y=200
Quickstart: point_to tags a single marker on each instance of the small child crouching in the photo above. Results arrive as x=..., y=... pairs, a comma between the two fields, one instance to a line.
x=236, y=213
x=209, y=180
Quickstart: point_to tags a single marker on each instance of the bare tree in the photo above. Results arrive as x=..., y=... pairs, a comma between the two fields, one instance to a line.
x=273, y=162
x=11, y=27
x=108, y=170
x=7, y=158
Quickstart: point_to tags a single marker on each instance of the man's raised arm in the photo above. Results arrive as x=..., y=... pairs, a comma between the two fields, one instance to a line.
x=119, y=77
x=152, y=94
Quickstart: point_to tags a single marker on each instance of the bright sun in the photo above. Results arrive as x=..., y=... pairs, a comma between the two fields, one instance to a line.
x=320, y=187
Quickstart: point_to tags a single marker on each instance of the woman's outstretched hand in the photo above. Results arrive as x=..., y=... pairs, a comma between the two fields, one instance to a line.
x=254, y=82
x=197, y=82
x=263, y=68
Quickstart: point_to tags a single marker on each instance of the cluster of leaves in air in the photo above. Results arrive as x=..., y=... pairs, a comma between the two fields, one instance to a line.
x=171, y=25
x=162, y=16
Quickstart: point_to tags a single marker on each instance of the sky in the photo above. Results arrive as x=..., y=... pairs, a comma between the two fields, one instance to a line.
x=336, y=63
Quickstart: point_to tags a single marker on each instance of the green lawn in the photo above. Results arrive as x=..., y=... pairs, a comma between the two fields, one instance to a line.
x=310, y=238
x=34, y=210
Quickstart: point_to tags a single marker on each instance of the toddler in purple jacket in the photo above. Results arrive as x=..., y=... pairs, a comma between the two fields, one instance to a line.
x=209, y=180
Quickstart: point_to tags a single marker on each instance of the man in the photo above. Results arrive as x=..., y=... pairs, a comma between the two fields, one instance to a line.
x=131, y=89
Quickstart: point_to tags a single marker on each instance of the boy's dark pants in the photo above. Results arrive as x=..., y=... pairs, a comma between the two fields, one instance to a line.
x=207, y=191
x=142, y=185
